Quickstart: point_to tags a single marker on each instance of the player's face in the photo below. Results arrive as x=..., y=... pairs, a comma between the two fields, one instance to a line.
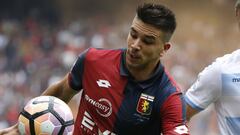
x=145, y=45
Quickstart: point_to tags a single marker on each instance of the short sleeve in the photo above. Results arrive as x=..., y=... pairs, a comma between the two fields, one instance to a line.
x=75, y=76
x=173, y=116
x=206, y=89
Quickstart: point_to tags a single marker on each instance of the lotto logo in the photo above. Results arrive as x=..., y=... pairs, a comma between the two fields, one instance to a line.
x=181, y=129
x=103, y=83
x=106, y=132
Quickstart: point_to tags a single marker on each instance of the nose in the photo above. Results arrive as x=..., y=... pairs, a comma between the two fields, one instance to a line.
x=136, y=45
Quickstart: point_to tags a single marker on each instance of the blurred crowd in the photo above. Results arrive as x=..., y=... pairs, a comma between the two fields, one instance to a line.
x=35, y=53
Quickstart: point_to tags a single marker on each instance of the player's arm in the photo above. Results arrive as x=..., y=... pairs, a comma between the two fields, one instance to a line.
x=13, y=130
x=61, y=90
x=71, y=83
x=173, y=116
x=65, y=89
x=190, y=111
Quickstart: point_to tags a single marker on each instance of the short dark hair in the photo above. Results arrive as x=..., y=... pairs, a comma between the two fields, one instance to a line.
x=158, y=16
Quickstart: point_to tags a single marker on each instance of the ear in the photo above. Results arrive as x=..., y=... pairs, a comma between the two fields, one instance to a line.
x=166, y=47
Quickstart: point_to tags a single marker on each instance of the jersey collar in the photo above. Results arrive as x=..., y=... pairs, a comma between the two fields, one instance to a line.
x=124, y=71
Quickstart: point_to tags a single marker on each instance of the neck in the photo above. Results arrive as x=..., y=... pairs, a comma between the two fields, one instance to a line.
x=142, y=73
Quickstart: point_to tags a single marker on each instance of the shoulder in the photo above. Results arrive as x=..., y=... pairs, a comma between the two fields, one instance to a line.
x=97, y=53
x=168, y=87
x=208, y=86
x=170, y=84
x=229, y=58
x=216, y=68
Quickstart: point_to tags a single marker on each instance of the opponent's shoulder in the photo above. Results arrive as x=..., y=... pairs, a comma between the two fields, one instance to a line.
x=229, y=58
x=221, y=64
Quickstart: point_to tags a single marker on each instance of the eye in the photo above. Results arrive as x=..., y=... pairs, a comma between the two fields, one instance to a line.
x=133, y=34
x=148, y=40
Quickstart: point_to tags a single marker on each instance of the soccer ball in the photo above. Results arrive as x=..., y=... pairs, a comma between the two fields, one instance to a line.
x=46, y=115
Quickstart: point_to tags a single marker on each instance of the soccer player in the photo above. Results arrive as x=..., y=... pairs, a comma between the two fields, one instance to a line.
x=128, y=91
x=219, y=83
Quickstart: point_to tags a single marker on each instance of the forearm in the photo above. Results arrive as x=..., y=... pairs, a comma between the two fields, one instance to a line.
x=10, y=131
x=54, y=90
x=60, y=90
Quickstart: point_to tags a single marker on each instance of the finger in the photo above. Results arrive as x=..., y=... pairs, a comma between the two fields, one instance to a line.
x=237, y=11
x=237, y=8
x=2, y=132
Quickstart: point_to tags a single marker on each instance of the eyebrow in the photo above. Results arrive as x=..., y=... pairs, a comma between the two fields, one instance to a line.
x=150, y=37
x=147, y=36
x=133, y=29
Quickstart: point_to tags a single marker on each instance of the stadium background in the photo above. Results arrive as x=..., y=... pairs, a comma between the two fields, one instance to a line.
x=40, y=39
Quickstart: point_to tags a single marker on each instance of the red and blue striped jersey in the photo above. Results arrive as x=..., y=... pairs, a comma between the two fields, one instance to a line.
x=113, y=102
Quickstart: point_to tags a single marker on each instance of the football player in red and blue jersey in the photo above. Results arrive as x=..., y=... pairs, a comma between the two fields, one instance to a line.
x=128, y=91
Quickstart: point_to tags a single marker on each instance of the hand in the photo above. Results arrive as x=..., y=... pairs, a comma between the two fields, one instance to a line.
x=10, y=131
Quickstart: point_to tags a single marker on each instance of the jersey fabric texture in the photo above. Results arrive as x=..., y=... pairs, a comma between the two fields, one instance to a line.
x=113, y=102
x=219, y=83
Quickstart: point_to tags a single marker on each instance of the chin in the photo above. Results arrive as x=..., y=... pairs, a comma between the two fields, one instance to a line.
x=134, y=65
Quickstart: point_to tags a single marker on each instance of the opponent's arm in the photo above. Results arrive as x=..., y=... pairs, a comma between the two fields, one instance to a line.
x=61, y=89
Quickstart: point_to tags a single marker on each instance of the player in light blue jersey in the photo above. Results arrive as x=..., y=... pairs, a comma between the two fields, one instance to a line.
x=219, y=83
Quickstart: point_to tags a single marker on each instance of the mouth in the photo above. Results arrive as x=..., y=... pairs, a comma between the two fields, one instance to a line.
x=133, y=56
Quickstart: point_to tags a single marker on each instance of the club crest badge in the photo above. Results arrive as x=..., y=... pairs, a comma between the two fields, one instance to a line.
x=145, y=103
